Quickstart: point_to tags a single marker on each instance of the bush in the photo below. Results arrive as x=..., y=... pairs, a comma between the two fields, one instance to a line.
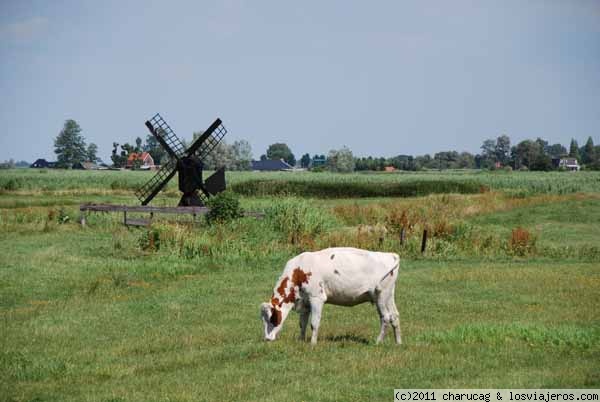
x=521, y=242
x=297, y=219
x=224, y=207
x=150, y=240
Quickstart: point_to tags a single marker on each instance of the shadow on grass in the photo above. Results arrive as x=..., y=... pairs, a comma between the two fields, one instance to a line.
x=347, y=338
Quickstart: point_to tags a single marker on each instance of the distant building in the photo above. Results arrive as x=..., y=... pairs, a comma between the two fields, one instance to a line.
x=271, y=165
x=389, y=169
x=144, y=158
x=42, y=164
x=569, y=164
x=85, y=166
x=317, y=162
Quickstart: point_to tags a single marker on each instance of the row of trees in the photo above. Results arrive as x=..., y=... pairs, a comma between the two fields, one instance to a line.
x=70, y=147
x=496, y=153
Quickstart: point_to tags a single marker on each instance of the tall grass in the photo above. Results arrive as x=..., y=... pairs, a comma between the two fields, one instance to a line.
x=333, y=185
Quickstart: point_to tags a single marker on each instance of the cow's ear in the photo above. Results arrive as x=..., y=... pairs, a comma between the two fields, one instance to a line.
x=275, y=317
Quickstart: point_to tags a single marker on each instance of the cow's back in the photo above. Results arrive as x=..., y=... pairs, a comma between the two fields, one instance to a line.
x=348, y=276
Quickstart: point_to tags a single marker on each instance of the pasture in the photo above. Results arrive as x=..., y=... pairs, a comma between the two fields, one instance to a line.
x=507, y=294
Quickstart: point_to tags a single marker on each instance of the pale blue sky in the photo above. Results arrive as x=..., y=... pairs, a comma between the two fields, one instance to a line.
x=382, y=77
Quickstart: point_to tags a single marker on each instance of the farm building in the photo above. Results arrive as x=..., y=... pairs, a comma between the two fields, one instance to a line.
x=566, y=163
x=389, y=169
x=42, y=163
x=271, y=165
x=144, y=159
x=85, y=166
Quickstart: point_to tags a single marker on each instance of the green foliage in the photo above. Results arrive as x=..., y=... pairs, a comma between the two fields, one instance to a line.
x=224, y=207
x=149, y=239
x=62, y=216
x=341, y=160
x=298, y=219
x=354, y=189
x=281, y=151
x=69, y=145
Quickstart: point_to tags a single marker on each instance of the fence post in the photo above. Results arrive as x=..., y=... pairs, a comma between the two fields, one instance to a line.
x=424, y=241
x=402, y=234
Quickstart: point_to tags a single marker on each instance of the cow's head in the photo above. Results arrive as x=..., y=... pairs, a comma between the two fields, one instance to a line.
x=272, y=317
x=273, y=314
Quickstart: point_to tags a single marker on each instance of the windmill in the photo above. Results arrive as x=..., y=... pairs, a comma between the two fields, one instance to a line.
x=188, y=163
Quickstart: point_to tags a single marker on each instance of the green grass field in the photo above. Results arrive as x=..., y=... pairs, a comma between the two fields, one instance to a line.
x=96, y=314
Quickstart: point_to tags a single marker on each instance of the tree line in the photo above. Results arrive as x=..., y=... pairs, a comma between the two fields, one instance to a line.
x=70, y=147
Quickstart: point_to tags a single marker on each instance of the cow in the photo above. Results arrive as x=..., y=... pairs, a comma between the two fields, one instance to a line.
x=341, y=276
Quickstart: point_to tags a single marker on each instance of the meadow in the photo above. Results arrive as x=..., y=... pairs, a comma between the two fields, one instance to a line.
x=505, y=296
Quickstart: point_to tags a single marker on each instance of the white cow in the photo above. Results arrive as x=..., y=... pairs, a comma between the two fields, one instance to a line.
x=340, y=276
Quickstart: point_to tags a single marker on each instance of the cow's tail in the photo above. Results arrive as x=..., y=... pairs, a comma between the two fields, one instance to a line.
x=394, y=270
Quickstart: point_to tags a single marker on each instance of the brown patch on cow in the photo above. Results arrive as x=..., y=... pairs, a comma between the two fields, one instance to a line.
x=282, y=286
x=332, y=255
x=275, y=301
x=291, y=297
x=392, y=272
x=335, y=271
x=299, y=277
x=275, y=317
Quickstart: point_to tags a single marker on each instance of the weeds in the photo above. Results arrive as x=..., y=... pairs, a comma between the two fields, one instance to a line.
x=521, y=242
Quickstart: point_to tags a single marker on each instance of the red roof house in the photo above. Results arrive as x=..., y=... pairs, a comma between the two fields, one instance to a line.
x=144, y=158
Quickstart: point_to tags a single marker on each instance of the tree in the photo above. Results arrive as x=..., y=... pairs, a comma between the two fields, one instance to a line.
x=557, y=150
x=305, y=161
x=574, y=149
x=488, y=153
x=242, y=155
x=220, y=156
x=69, y=145
x=532, y=155
x=281, y=151
x=587, y=152
x=502, y=149
x=156, y=151
x=466, y=160
x=341, y=160
x=92, y=152
x=138, y=145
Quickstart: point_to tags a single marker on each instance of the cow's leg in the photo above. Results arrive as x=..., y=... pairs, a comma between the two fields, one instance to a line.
x=396, y=321
x=304, y=315
x=382, y=319
x=316, y=306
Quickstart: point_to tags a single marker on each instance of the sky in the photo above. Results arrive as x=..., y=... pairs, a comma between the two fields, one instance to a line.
x=381, y=77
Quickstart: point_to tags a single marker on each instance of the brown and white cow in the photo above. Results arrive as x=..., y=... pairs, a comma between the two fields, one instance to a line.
x=340, y=276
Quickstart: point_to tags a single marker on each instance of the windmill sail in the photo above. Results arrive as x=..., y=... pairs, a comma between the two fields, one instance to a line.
x=152, y=187
x=208, y=140
x=165, y=135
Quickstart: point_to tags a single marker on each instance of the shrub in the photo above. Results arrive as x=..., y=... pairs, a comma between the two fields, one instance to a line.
x=62, y=216
x=297, y=219
x=150, y=240
x=521, y=242
x=12, y=184
x=224, y=207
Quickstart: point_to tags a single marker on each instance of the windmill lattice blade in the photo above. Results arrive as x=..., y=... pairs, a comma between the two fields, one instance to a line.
x=163, y=130
x=211, y=141
x=149, y=190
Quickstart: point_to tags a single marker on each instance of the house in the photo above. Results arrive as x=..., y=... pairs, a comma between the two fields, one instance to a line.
x=42, y=164
x=271, y=165
x=141, y=160
x=389, y=169
x=85, y=166
x=569, y=164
